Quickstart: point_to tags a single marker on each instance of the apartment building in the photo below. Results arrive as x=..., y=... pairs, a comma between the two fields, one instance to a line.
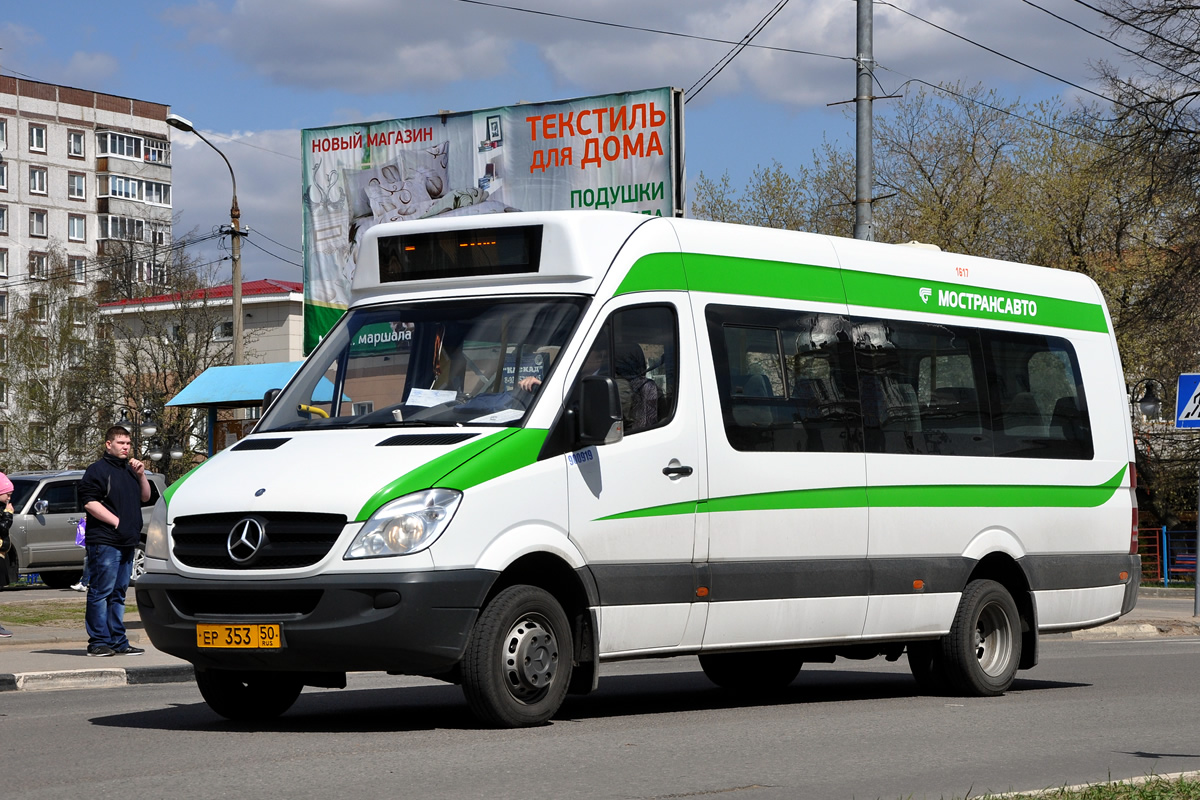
x=85, y=173
x=85, y=192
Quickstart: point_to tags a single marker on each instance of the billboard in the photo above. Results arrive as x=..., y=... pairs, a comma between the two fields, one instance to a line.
x=615, y=151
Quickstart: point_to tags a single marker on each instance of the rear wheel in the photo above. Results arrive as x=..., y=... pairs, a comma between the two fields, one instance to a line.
x=981, y=653
x=762, y=671
x=60, y=580
x=242, y=696
x=517, y=666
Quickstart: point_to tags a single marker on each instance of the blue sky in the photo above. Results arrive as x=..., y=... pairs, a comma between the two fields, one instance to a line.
x=252, y=73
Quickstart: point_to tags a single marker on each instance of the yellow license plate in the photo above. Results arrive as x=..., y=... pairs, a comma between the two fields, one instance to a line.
x=250, y=637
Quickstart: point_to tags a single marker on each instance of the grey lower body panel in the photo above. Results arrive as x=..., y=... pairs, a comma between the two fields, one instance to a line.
x=416, y=623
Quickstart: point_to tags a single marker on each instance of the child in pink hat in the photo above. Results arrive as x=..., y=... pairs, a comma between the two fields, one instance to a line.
x=6, y=490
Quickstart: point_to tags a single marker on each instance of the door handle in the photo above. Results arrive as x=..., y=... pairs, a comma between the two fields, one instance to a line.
x=672, y=471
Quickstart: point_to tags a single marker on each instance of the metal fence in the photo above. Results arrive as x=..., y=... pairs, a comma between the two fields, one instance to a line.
x=1167, y=555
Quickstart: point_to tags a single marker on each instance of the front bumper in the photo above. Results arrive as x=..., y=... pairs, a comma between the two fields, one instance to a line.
x=413, y=623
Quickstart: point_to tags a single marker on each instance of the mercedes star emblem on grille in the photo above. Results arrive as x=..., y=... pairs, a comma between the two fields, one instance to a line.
x=245, y=540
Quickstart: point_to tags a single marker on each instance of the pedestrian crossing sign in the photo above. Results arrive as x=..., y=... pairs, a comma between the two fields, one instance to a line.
x=1187, y=401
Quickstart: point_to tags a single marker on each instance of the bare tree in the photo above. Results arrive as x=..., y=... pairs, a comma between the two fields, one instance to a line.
x=56, y=392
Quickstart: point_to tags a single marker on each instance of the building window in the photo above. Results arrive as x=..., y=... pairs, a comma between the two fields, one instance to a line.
x=37, y=223
x=39, y=265
x=3, y=131
x=76, y=228
x=116, y=144
x=158, y=193
x=39, y=304
x=3, y=176
x=75, y=144
x=158, y=151
x=3, y=437
x=223, y=332
x=79, y=310
x=37, y=180
x=158, y=274
x=37, y=138
x=3, y=262
x=41, y=351
x=120, y=186
x=3, y=219
x=3, y=393
x=3, y=305
x=76, y=186
x=122, y=228
x=3, y=349
x=77, y=268
x=75, y=354
x=77, y=439
x=160, y=233
x=37, y=438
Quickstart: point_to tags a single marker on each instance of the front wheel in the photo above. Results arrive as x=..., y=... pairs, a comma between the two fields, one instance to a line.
x=517, y=665
x=243, y=696
x=981, y=653
x=139, y=562
x=763, y=671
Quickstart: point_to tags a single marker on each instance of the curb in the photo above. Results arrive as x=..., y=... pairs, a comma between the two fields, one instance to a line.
x=1134, y=630
x=95, y=678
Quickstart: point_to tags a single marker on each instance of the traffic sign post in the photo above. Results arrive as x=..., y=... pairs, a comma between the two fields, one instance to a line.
x=1187, y=415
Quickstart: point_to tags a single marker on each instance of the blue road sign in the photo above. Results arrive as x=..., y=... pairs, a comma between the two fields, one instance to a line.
x=1187, y=401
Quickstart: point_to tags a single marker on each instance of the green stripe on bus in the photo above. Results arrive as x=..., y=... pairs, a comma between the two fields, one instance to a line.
x=702, y=272
x=507, y=450
x=656, y=272
x=960, y=300
x=944, y=496
x=761, y=278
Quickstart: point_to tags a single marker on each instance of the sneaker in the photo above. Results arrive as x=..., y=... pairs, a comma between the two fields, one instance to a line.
x=5, y=634
x=129, y=650
x=100, y=650
x=78, y=587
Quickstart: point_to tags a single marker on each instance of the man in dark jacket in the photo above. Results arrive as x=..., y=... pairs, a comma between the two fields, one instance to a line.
x=112, y=491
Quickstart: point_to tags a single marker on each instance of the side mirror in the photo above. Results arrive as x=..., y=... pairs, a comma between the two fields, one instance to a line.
x=269, y=397
x=40, y=507
x=599, y=411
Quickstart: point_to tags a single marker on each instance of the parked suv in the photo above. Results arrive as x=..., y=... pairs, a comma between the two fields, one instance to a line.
x=46, y=511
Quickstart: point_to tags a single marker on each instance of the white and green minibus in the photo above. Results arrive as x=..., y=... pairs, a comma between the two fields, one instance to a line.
x=537, y=443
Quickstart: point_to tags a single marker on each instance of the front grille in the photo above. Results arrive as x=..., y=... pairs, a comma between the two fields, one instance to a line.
x=236, y=602
x=291, y=540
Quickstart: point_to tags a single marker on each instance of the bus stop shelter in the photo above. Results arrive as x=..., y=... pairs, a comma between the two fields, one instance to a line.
x=240, y=386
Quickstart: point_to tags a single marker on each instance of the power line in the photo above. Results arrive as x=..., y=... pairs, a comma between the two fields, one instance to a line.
x=1002, y=55
x=1138, y=28
x=258, y=232
x=252, y=243
x=651, y=30
x=725, y=60
x=1109, y=41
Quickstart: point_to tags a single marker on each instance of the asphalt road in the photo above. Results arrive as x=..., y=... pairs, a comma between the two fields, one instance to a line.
x=656, y=729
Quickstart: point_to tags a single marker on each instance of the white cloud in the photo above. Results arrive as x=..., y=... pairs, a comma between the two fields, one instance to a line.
x=267, y=167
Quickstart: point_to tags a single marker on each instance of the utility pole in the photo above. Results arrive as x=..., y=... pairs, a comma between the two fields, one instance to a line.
x=864, y=156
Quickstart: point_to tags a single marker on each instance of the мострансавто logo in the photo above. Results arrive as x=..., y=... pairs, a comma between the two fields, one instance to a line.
x=973, y=301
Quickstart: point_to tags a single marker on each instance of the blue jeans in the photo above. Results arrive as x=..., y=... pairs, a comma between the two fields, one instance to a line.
x=110, y=569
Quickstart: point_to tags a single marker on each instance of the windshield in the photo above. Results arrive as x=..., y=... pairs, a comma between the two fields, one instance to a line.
x=463, y=362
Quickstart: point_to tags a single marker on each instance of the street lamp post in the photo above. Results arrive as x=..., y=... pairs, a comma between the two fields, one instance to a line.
x=235, y=215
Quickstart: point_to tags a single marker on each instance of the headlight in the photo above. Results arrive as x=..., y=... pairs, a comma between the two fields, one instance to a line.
x=156, y=532
x=406, y=525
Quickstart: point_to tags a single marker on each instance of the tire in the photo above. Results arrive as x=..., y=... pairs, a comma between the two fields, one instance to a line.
x=517, y=665
x=248, y=696
x=764, y=671
x=61, y=580
x=981, y=653
x=925, y=663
